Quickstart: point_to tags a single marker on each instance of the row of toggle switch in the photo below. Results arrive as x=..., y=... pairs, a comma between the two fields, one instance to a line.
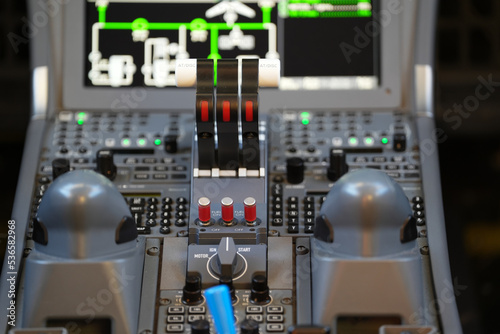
x=227, y=210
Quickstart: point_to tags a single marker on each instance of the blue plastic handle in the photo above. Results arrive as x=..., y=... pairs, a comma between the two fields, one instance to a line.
x=219, y=303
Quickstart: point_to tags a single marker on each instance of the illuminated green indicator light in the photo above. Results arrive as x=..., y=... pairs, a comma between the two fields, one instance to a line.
x=142, y=142
x=368, y=140
x=157, y=142
x=353, y=141
x=80, y=121
x=126, y=142
x=305, y=121
x=305, y=114
x=384, y=140
x=81, y=115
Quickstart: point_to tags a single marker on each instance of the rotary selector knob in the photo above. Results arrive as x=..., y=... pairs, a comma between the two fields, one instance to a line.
x=105, y=164
x=295, y=168
x=227, y=262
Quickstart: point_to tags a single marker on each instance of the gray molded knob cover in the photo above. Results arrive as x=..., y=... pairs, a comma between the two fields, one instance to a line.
x=81, y=216
x=366, y=213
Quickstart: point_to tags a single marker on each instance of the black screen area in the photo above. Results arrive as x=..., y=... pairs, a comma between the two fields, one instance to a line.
x=328, y=47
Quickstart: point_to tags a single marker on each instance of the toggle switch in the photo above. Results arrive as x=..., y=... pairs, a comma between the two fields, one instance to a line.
x=204, y=209
x=250, y=209
x=227, y=209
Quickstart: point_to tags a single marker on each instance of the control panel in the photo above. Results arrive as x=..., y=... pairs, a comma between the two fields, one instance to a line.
x=205, y=203
x=281, y=187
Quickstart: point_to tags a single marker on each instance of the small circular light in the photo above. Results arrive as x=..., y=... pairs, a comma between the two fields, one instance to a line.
x=384, y=140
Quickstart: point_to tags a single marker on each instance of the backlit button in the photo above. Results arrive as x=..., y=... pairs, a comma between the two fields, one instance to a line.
x=410, y=167
x=275, y=327
x=309, y=221
x=180, y=215
x=418, y=207
x=419, y=214
x=277, y=222
x=392, y=167
x=181, y=200
x=176, y=310
x=143, y=230
x=398, y=158
x=275, y=309
x=197, y=310
x=180, y=222
x=309, y=199
x=275, y=318
x=137, y=201
x=254, y=309
x=417, y=199
x=309, y=214
x=394, y=175
x=175, y=328
x=361, y=160
x=164, y=230
x=379, y=159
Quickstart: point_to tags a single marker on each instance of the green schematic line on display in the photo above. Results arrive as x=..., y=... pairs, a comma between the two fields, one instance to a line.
x=197, y=24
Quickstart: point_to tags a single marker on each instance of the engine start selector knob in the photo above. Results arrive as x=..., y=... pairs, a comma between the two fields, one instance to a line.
x=227, y=262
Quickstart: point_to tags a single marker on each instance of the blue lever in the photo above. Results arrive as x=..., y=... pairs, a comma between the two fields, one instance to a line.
x=219, y=303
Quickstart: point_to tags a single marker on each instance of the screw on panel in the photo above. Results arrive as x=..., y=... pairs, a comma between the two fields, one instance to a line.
x=424, y=250
x=146, y=331
x=182, y=233
x=153, y=251
x=286, y=301
x=301, y=250
x=422, y=233
x=27, y=251
x=165, y=301
x=273, y=233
